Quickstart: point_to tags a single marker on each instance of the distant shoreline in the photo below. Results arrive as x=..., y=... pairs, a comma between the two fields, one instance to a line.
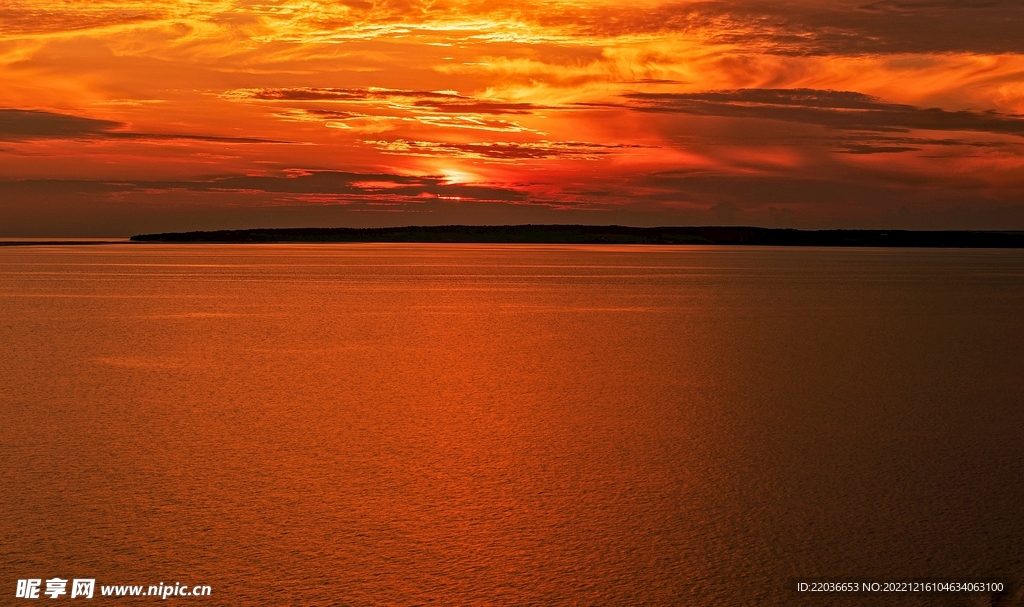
x=60, y=242
x=570, y=234
x=587, y=234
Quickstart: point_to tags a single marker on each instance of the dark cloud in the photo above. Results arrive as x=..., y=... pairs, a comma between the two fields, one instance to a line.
x=80, y=207
x=23, y=125
x=848, y=201
x=813, y=27
x=887, y=26
x=841, y=110
x=863, y=148
x=31, y=124
x=471, y=106
x=355, y=185
x=334, y=185
x=181, y=136
x=915, y=142
x=503, y=150
x=307, y=94
x=878, y=144
x=318, y=114
x=49, y=207
x=422, y=100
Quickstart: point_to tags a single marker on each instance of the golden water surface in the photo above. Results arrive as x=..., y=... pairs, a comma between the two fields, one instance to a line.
x=510, y=425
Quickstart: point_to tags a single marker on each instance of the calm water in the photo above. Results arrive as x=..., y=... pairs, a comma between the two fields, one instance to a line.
x=511, y=425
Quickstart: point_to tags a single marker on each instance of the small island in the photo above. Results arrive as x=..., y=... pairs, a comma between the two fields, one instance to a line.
x=613, y=234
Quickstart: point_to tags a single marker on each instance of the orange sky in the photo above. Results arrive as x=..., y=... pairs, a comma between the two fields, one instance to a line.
x=126, y=117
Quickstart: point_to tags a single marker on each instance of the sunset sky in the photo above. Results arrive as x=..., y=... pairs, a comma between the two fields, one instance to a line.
x=125, y=117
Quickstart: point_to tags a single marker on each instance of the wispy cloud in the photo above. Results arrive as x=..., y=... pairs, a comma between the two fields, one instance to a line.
x=444, y=109
x=504, y=150
x=434, y=101
x=28, y=17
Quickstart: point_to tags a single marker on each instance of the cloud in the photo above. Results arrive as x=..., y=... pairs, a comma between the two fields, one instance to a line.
x=865, y=148
x=445, y=109
x=21, y=18
x=475, y=106
x=503, y=150
x=289, y=185
x=835, y=199
x=32, y=124
x=25, y=125
x=317, y=114
x=880, y=144
x=432, y=101
x=841, y=110
x=808, y=27
x=796, y=27
x=887, y=26
x=357, y=186
x=323, y=198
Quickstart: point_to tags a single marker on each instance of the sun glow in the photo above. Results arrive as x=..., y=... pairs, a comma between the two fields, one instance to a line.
x=455, y=176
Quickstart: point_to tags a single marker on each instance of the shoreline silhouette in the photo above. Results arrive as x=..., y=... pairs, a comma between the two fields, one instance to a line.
x=612, y=234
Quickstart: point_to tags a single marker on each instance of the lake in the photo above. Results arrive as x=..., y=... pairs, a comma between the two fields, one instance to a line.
x=372, y=424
